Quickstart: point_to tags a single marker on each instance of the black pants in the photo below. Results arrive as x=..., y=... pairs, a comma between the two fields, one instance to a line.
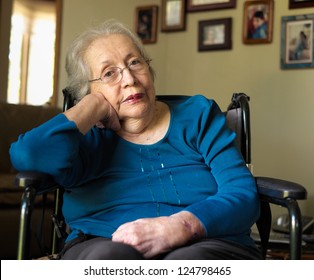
x=99, y=248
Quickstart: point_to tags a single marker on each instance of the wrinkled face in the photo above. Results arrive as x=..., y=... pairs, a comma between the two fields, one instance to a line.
x=134, y=95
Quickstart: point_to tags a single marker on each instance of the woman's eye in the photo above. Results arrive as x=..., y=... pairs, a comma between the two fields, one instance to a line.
x=135, y=62
x=109, y=73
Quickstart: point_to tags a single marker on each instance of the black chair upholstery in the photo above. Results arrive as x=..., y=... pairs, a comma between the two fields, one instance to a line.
x=271, y=190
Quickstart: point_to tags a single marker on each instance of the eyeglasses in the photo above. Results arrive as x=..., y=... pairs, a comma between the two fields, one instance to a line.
x=113, y=75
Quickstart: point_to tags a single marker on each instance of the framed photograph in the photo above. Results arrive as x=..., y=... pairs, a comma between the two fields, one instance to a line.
x=297, y=42
x=295, y=4
x=206, y=5
x=214, y=34
x=146, y=23
x=258, y=21
x=173, y=16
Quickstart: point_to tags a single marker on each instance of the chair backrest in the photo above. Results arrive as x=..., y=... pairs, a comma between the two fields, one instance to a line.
x=238, y=118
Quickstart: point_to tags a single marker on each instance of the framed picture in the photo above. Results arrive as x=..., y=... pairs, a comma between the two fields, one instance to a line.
x=295, y=4
x=258, y=21
x=214, y=34
x=206, y=5
x=297, y=42
x=173, y=15
x=146, y=23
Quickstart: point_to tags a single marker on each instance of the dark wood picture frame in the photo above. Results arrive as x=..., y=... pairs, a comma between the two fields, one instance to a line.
x=197, y=6
x=146, y=23
x=215, y=34
x=293, y=4
x=258, y=21
x=173, y=15
x=297, y=42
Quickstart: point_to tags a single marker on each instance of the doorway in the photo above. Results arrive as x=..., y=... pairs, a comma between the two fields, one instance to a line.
x=33, y=54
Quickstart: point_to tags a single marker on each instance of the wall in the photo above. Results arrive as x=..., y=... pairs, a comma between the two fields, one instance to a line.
x=281, y=100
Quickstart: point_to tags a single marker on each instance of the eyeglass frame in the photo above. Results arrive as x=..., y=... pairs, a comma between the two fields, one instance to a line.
x=120, y=72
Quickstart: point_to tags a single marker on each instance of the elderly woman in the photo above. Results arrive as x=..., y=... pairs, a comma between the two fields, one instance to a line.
x=143, y=179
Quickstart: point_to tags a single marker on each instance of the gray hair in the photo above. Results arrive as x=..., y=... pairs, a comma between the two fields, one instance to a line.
x=77, y=69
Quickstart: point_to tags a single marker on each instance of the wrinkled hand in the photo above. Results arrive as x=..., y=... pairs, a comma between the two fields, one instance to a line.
x=111, y=119
x=153, y=236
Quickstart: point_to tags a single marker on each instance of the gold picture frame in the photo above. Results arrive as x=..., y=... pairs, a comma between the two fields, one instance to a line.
x=258, y=21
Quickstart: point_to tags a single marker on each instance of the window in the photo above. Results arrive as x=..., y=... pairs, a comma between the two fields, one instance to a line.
x=32, y=50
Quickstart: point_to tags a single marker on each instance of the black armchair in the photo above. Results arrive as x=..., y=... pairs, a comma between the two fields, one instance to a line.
x=271, y=190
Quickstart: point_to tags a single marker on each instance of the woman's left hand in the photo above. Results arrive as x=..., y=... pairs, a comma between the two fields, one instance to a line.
x=153, y=236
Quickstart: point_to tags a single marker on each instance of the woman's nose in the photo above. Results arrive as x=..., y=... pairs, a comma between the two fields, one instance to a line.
x=128, y=78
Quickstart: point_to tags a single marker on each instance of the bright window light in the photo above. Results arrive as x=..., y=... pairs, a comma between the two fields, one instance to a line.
x=31, y=57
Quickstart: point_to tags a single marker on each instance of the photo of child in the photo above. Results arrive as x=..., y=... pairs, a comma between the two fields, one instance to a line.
x=257, y=22
x=258, y=17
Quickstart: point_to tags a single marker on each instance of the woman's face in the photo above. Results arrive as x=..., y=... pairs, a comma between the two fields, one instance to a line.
x=257, y=22
x=134, y=95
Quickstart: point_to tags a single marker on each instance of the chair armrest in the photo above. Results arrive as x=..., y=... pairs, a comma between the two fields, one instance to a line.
x=40, y=182
x=274, y=190
x=286, y=194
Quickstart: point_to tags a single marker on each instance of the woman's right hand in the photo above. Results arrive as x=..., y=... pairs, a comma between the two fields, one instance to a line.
x=93, y=109
x=111, y=119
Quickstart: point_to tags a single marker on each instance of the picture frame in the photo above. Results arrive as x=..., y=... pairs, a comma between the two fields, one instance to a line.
x=207, y=5
x=146, y=23
x=297, y=42
x=258, y=22
x=173, y=15
x=215, y=34
x=297, y=4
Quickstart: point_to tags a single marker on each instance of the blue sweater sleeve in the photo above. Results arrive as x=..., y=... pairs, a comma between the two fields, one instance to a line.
x=59, y=149
x=235, y=206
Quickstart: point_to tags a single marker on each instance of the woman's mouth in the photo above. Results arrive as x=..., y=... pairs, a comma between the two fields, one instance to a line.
x=133, y=98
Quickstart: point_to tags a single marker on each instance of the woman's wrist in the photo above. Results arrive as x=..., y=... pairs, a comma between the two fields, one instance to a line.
x=192, y=225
